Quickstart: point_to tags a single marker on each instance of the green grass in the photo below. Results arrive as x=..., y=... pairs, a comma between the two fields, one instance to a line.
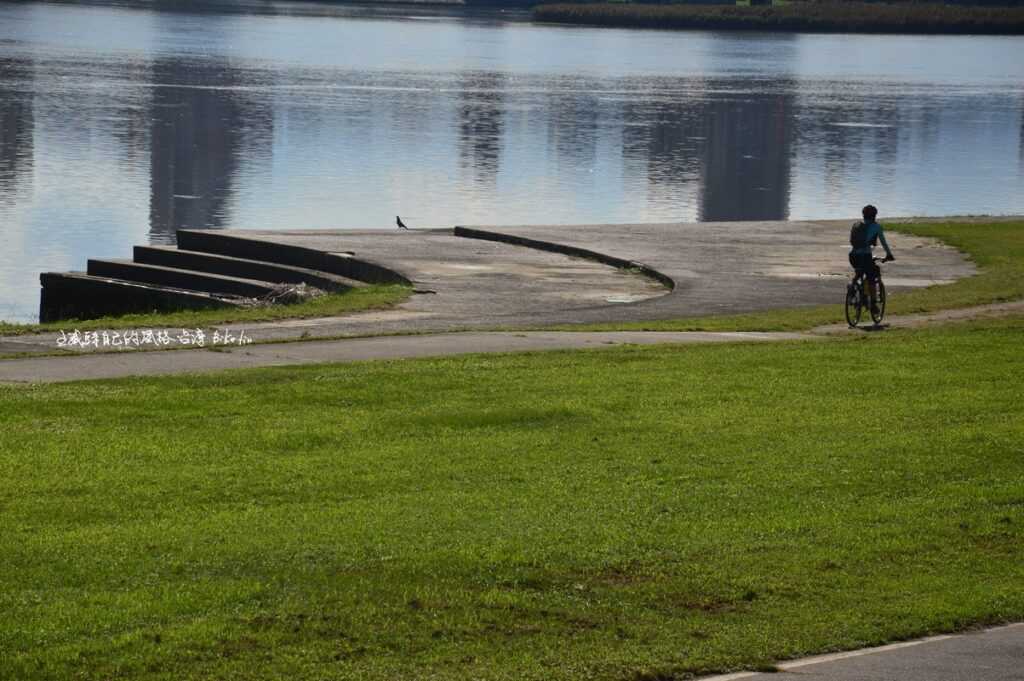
x=330, y=305
x=618, y=514
x=997, y=248
x=845, y=17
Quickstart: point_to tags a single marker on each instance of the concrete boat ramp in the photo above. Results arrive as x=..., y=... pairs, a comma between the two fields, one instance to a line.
x=535, y=276
x=518, y=277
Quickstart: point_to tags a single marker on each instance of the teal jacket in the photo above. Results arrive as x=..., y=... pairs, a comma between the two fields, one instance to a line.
x=874, y=232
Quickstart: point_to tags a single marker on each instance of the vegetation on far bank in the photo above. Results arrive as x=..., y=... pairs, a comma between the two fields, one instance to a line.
x=633, y=513
x=997, y=248
x=841, y=17
x=328, y=305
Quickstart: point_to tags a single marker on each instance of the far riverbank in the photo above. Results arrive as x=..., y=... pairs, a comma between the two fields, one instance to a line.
x=846, y=17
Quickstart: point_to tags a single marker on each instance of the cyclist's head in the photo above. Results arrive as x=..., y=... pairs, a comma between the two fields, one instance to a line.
x=869, y=212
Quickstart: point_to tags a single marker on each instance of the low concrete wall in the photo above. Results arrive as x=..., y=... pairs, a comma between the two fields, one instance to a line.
x=184, y=279
x=75, y=295
x=255, y=249
x=574, y=251
x=240, y=267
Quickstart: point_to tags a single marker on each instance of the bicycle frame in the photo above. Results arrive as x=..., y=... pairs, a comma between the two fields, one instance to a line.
x=859, y=298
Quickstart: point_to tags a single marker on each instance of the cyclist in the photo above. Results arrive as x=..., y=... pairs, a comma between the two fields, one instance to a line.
x=863, y=236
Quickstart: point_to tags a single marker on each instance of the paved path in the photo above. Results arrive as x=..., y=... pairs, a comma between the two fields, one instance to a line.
x=86, y=366
x=134, y=363
x=990, y=655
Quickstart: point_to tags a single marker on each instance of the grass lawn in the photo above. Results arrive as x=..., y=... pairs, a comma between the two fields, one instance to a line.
x=618, y=514
x=997, y=248
x=330, y=305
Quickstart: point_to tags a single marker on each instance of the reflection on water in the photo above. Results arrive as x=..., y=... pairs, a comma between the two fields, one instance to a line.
x=198, y=124
x=16, y=126
x=120, y=126
x=747, y=148
x=735, y=148
x=481, y=125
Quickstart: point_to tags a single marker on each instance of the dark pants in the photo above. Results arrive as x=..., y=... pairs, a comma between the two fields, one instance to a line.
x=864, y=262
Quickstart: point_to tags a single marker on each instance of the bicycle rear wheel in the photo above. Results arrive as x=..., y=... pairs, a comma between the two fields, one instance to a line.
x=876, y=317
x=854, y=304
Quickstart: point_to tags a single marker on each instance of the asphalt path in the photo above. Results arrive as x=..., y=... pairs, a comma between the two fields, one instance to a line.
x=157, y=363
x=995, y=654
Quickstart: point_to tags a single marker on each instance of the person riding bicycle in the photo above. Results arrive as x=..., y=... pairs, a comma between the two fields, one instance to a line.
x=863, y=236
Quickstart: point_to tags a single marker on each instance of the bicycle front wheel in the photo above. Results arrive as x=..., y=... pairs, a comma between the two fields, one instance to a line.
x=879, y=312
x=854, y=305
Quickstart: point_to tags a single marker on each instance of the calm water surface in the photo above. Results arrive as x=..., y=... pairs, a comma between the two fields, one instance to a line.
x=119, y=126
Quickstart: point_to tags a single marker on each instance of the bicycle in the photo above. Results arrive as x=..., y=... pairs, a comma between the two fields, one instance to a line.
x=858, y=298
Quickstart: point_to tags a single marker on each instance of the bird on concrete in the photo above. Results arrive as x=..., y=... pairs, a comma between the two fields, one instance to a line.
x=401, y=225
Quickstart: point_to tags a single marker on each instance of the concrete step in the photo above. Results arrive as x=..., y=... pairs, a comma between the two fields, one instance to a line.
x=208, y=241
x=168, y=256
x=77, y=295
x=178, y=278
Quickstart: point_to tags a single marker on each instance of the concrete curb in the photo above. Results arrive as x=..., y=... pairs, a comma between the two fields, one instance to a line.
x=575, y=251
x=227, y=266
x=288, y=254
x=175, y=277
x=65, y=294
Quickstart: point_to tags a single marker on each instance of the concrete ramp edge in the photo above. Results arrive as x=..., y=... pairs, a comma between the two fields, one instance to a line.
x=288, y=254
x=564, y=249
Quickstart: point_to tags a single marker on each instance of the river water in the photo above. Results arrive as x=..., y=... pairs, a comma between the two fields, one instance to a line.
x=120, y=125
